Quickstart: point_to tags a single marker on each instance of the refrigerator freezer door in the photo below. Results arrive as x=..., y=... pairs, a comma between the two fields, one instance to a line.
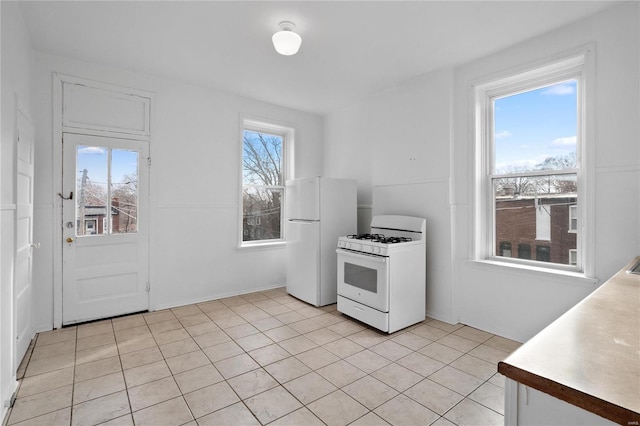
x=302, y=199
x=303, y=256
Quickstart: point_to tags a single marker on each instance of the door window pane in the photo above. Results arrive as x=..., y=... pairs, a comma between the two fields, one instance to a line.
x=124, y=191
x=107, y=191
x=91, y=189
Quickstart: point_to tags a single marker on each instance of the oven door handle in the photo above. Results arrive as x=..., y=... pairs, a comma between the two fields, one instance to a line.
x=359, y=255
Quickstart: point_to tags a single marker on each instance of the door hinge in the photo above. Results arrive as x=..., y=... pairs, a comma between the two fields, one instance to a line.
x=149, y=161
x=148, y=286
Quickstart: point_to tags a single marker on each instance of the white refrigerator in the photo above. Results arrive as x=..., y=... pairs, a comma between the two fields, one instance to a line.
x=318, y=211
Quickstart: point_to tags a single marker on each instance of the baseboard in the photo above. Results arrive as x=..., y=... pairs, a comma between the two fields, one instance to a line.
x=212, y=297
x=7, y=397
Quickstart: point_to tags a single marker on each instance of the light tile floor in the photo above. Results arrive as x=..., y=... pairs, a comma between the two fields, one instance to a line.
x=260, y=358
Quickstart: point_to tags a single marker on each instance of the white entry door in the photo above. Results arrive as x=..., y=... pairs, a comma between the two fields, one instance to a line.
x=24, y=237
x=105, y=227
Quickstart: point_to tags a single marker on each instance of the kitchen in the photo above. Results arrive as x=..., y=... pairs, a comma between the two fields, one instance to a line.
x=427, y=173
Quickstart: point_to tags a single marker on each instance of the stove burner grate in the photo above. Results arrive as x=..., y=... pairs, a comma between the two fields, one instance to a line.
x=366, y=236
x=391, y=240
x=379, y=238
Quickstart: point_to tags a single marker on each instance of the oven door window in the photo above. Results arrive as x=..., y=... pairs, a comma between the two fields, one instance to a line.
x=364, y=279
x=361, y=277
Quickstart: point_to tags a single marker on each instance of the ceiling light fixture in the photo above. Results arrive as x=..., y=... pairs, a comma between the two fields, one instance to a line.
x=285, y=41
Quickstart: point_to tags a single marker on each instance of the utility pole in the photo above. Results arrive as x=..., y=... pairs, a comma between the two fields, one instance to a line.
x=81, y=202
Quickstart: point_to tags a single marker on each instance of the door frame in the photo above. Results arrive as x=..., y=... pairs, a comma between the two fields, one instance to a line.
x=58, y=81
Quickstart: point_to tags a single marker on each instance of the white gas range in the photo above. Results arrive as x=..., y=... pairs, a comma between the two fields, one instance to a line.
x=382, y=275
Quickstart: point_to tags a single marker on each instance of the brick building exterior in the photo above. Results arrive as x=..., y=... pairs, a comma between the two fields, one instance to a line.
x=527, y=228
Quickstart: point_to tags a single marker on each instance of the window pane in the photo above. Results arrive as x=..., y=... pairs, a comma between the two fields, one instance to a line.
x=124, y=191
x=262, y=159
x=505, y=249
x=543, y=253
x=261, y=213
x=536, y=130
x=91, y=189
x=523, y=205
x=524, y=251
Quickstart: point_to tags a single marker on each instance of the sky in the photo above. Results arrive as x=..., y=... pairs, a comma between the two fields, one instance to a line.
x=94, y=159
x=274, y=150
x=534, y=125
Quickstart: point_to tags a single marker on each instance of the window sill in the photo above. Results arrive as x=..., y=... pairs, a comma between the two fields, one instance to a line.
x=577, y=278
x=262, y=246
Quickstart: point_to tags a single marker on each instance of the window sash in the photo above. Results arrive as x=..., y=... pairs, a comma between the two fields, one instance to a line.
x=500, y=256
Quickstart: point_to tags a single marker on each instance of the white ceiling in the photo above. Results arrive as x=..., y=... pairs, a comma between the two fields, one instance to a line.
x=349, y=49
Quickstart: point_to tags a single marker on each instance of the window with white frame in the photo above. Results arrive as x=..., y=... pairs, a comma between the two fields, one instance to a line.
x=528, y=137
x=573, y=257
x=573, y=218
x=265, y=154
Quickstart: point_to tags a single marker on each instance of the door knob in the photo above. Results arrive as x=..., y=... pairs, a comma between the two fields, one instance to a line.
x=69, y=240
x=35, y=245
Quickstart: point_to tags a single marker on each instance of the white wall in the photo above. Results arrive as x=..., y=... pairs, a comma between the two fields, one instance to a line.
x=515, y=303
x=348, y=154
x=396, y=143
x=411, y=149
x=195, y=151
x=17, y=64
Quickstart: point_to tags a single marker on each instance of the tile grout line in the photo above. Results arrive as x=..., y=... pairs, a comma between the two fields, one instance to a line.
x=73, y=375
x=126, y=388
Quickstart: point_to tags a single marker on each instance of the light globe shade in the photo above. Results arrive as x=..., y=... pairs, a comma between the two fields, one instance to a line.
x=286, y=42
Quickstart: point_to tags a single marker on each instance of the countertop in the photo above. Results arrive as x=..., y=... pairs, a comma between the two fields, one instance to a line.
x=590, y=356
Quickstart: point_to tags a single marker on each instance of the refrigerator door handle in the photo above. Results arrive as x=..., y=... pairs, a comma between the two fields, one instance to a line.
x=302, y=221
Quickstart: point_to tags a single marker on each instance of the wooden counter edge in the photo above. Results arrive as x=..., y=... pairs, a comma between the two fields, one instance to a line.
x=595, y=405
